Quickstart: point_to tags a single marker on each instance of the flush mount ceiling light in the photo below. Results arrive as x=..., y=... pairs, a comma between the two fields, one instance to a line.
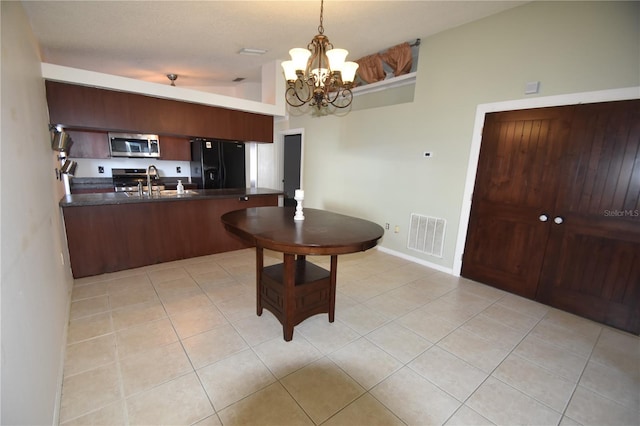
x=173, y=78
x=319, y=75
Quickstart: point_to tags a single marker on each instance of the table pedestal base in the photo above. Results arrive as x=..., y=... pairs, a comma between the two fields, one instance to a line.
x=295, y=290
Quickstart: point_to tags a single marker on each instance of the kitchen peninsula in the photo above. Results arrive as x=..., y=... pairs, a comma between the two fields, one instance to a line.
x=108, y=232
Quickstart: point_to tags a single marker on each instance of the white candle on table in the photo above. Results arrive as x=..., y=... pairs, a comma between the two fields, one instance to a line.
x=299, y=196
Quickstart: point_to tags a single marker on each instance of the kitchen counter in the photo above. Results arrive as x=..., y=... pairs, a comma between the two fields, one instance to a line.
x=108, y=198
x=108, y=232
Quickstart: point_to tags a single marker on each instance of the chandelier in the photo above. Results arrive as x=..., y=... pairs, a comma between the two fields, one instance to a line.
x=319, y=74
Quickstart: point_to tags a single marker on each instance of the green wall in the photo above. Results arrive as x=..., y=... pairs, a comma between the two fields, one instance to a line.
x=369, y=163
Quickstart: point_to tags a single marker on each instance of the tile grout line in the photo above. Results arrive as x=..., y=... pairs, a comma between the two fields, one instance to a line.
x=637, y=409
x=184, y=350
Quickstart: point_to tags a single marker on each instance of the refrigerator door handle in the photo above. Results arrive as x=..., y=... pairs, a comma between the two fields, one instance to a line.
x=223, y=170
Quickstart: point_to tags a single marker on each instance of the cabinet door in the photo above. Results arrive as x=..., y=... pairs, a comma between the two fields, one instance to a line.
x=88, y=144
x=175, y=148
x=514, y=191
x=592, y=266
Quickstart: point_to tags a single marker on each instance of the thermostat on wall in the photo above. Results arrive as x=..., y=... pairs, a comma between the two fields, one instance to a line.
x=531, y=87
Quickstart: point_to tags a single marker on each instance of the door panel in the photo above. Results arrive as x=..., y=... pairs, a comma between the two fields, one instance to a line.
x=593, y=258
x=602, y=166
x=595, y=276
x=514, y=186
x=506, y=248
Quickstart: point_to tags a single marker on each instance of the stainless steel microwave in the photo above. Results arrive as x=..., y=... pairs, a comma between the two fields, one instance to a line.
x=134, y=145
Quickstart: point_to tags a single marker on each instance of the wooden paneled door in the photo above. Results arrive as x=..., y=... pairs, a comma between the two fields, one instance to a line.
x=556, y=209
x=515, y=185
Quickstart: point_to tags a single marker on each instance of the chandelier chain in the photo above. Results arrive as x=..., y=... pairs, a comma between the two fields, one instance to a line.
x=321, y=27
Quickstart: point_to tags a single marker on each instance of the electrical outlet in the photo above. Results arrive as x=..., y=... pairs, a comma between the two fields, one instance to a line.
x=427, y=154
x=386, y=225
x=178, y=169
x=396, y=229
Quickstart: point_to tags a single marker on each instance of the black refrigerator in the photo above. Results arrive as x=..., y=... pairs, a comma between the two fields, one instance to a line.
x=217, y=164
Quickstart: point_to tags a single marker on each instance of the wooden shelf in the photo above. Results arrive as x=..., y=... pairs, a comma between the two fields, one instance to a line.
x=311, y=295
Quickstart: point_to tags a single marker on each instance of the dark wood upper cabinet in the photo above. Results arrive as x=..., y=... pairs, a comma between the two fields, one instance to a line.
x=90, y=108
x=89, y=144
x=175, y=148
x=95, y=144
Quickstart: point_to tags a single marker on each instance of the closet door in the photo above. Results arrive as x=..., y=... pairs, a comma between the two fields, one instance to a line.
x=592, y=263
x=514, y=196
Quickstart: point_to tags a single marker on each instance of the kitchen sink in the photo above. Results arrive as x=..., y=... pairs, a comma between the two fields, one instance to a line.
x=173, y=192
x=162, y=193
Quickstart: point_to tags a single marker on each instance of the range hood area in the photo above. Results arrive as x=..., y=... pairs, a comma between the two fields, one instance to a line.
x=134, y=145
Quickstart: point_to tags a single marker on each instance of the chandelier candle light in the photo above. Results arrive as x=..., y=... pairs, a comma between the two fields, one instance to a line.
x=299, y=196
x=319, y=75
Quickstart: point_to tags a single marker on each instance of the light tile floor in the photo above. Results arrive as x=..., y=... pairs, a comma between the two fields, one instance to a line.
x=180, y=343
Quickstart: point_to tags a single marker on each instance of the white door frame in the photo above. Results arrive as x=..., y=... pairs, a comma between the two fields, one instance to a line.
x=483, y=109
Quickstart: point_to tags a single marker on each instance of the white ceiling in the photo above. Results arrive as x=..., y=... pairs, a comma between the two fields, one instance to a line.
x=200, y=40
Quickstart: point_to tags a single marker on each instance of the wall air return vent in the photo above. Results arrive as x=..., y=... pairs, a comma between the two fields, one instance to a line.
x=426, y=234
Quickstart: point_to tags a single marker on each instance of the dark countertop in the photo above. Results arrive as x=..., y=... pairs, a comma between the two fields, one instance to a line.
x=105, y=198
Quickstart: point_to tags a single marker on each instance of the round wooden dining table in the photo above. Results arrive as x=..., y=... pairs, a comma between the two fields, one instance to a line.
x=297, y=289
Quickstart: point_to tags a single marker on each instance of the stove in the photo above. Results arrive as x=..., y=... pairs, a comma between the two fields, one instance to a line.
x=126, y=180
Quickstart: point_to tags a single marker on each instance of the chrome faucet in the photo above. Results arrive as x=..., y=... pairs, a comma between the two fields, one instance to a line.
x=149, y=178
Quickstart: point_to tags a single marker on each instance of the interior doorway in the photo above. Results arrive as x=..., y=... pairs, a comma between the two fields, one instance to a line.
x=292, y=165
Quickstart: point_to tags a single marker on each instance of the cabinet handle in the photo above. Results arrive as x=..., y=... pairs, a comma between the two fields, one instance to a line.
x=543, y=217
x=245, y=198
x=558, y=220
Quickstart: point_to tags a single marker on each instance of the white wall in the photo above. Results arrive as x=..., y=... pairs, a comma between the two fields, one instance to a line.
x=369, y=163
x=35, y=285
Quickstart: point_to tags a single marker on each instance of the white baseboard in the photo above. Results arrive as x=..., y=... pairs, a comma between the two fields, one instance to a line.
x=416, y=260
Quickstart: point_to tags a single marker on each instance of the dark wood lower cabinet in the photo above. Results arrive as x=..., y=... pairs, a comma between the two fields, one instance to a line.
x=556, y=209
x=109, y=238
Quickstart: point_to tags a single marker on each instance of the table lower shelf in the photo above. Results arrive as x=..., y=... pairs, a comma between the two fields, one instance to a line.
x=312, y=293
